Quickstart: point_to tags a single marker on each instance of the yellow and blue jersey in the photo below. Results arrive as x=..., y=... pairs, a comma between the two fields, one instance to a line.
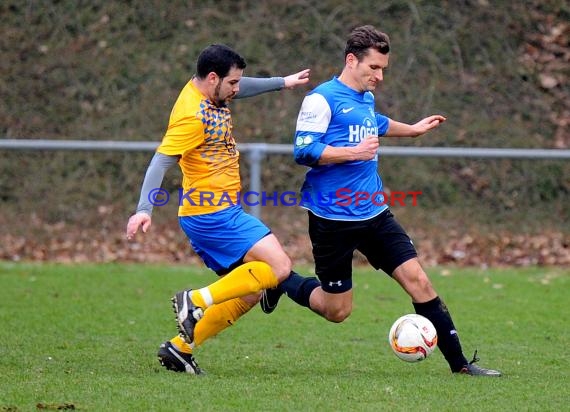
x=200, y=133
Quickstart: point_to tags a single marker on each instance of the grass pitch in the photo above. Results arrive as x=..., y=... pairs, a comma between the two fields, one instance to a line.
x=84, y=337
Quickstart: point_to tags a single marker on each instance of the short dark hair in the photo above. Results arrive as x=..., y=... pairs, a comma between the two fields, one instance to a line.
x=363, y=38
x=218, y=58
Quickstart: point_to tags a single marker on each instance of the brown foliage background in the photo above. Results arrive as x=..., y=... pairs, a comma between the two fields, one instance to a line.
x=112, y=70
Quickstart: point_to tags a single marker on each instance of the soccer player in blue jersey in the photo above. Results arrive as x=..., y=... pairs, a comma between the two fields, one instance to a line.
x=337, y=137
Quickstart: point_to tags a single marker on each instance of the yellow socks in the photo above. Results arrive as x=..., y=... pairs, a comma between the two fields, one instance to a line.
x=221, y=301
x=247, y=279
x=216, y=319
x=181, y=344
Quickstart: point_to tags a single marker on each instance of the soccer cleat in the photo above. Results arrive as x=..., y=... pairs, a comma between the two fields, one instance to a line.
x=172, y=359
x=475, y=370
x=187, y=314
x=269, y=299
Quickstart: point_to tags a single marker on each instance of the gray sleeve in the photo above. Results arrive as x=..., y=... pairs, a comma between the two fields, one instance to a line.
x=155, y=172
x=252, y=86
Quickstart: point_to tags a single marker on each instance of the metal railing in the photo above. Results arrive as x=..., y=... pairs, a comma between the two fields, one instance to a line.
x=256, y=152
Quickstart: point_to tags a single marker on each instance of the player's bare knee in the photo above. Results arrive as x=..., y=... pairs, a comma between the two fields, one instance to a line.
x=252, y=299
x=337, y=315
x=417, y=280
x=282, y=269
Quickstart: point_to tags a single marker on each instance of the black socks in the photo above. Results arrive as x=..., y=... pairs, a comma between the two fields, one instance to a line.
x=447, y=338
x=299, y=288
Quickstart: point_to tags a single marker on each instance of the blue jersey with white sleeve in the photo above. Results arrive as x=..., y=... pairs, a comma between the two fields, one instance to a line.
x=334, y=114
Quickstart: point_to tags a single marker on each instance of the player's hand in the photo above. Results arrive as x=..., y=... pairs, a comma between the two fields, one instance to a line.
x=297, y=79
x=137, y=220
x=428, y=123
x=367, y=148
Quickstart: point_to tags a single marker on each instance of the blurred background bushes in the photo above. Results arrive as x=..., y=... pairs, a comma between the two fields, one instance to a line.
x=109, y=70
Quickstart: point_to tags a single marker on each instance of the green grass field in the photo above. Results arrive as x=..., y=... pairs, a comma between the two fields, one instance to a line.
x=84, y=337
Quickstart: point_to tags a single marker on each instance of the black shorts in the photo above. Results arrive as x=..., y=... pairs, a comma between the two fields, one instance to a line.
x=380, y=239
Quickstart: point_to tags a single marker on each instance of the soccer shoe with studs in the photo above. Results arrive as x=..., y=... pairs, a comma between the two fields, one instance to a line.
x=187, y=314
x=172, y=359
x=269, y=299
x=476, y=370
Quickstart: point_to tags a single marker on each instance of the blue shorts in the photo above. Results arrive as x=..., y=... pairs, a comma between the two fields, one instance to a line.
x=223, y=238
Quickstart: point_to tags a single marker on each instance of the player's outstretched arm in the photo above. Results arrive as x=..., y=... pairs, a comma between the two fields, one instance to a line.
x=399, y=129
x=297, y=79
x=252, y=86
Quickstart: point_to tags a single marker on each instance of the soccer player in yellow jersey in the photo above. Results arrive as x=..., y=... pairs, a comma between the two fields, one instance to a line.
x=237, y=246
